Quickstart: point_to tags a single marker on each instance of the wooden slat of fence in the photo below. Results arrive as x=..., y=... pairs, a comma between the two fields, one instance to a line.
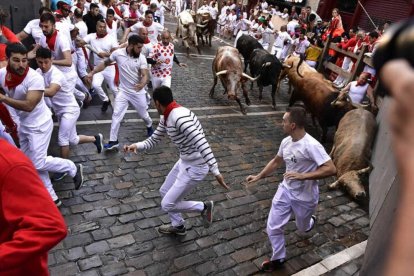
x=346, y=53
x=368, y=61
x=337, y=69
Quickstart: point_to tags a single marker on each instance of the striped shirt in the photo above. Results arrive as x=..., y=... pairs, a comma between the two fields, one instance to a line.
x=187, y=134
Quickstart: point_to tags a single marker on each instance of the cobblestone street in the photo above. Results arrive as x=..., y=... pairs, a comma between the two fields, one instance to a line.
x=112, y=219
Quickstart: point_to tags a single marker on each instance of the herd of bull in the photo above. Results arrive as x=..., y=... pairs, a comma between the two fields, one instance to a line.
x=355, y=123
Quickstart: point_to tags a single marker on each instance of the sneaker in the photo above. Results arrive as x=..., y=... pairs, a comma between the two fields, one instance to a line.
x=59, y=176
x=105, y=105
x=169, y=229
x=313, y=225
x=80, y=103
x=78, y=179
x=150, y=131
x=99, y=142
x=58, y=202
x=111, y=145
x=269, y=266
x=207, y=213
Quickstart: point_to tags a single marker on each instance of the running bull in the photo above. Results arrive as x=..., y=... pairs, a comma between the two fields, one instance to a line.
x=187, y=30
x=268, y=68
x=351, y=151
x=227, y=66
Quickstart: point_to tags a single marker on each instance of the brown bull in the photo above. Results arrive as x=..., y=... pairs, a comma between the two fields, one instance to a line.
x=227, y=66
x=352, y=150
x=316, y=92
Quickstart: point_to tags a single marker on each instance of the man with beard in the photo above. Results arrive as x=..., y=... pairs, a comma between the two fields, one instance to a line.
x=162, y=57
x=23, y=88
x=133, y=76
x=196, y=160
x=103, y=45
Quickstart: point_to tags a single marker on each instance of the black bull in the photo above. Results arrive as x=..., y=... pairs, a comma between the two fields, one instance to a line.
x=268, y=68
x=205, y=28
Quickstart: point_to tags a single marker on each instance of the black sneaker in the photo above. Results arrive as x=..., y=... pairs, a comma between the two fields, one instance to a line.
x=269, y=266
x=112, y=145
x=59, y=176
x=105, y=105
x=207, y=213
x=99, y=142
x=171, y=230
x=150, y=131
x=58, y=202
x=313, y=225
x=78, y=179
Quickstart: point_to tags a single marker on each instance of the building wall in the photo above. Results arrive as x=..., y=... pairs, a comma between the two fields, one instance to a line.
x=314, y=4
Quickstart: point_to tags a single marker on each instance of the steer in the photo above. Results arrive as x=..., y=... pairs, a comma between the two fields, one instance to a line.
x=315, y=92
x=246, y=44
x=187, y=30
x=351, y=151
x=227, y=66
x=205, y=27
x=268, y=67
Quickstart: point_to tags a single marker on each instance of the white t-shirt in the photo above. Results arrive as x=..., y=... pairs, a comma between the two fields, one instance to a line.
x=83, y=29
x=32, y=28
x=280, y=39
x=129, y=70
x=64, y=99
x=105, y=44
x=357, y=93
x=33, y=81
x=114, y=30
x=292, y=25
x=153, y=31
x=62, y=44
x=302, y=156
x=301, y=45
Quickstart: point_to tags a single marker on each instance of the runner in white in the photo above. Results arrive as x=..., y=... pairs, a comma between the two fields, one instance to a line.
x=133, y=75
x=103, y=45
x=154, y=28
x=163, y=56
x=112, y=24
x=33, y=28
x=23, y=88
x=64, y=105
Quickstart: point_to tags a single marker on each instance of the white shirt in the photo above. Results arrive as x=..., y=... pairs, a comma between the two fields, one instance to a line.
x=114, y=30
x=281, y=38
x=292, y=25
x=357, y=93
x=32, y=28
x=301, y=45
x=83, y=29
x=153, y=30
x=62, y=44
x=33, y=81
x=64, y=99
x=129, y=67
x=302, y=156
x=165, y=54
x=160, y=8
x=105, y=44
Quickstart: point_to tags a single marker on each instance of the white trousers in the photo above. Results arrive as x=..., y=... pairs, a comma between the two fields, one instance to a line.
x=347, y=66
x=67, y=127
x=311, y=63
x=34, y=142
x=283, y=204
x=109, y=76
x=179, y=182
x=122, y=100
x=157, y=82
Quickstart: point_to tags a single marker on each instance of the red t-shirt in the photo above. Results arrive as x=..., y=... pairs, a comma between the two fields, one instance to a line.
x=30, y=223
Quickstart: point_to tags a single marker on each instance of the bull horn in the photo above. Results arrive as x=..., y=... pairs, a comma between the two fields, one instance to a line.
x=267, y=64
x=250, y=78
x=201, y=26
x=223, y=72
x=357, y=105
x=184, y=38
x=286, y=66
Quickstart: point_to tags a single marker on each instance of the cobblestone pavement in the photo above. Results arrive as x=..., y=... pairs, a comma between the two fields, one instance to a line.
x=112, y=219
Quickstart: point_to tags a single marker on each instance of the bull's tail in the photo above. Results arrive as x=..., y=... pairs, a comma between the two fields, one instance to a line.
x=302, y=58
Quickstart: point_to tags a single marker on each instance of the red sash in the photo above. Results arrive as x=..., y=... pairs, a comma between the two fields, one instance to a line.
x=12, y=79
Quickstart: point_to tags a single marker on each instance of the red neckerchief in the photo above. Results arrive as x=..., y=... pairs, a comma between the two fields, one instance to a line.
x=146, y=24
x=117, y=11
x=109, y=23
x=147, y=40
x=169, y=108
x=100, y=36
x=51, y=40
x=13, y=79
x=133, y=14
x=79, y=5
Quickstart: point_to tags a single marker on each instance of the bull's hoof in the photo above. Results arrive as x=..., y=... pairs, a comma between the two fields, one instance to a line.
x=248, y=102
x=188, y=52
x=243, y=110
x=274, y=106
x=260, y=98
x=198, y=50
x=211, y=94
x=360, y=196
